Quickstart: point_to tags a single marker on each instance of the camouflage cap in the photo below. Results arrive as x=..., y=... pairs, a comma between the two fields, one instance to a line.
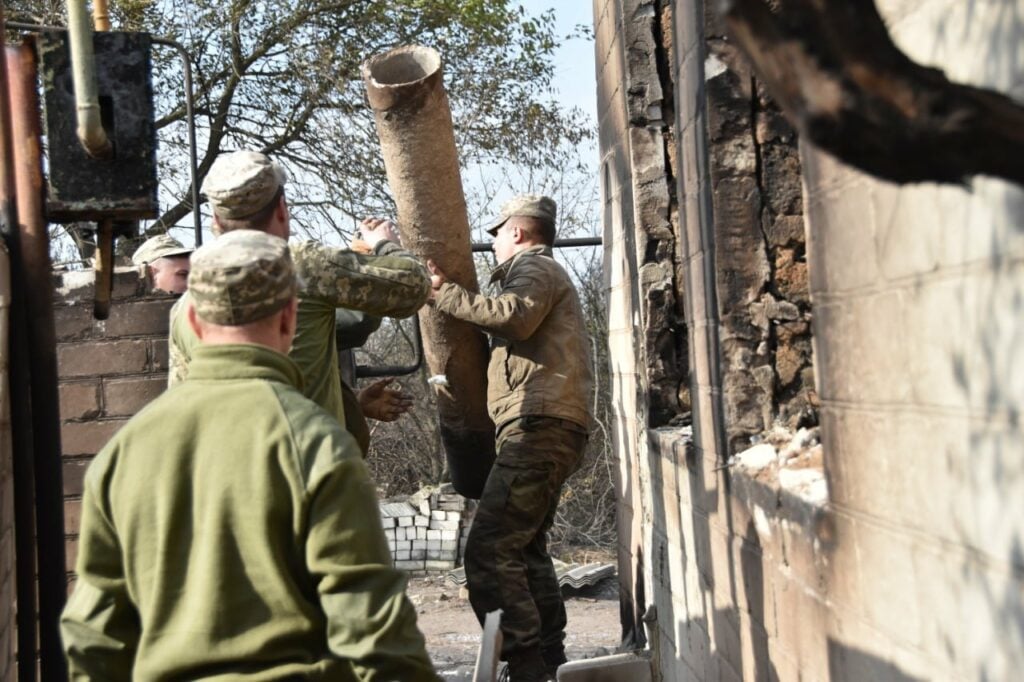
x=532, y=205
x=241, y=277
x=160, y=246
x=239, y=184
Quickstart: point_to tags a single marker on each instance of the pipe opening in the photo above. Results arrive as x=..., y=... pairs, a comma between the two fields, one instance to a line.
x=404, y=66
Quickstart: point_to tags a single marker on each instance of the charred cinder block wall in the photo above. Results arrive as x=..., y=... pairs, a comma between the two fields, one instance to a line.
x=108, y=370
x=760, y=264
x=647, y=333
x=911, y=569
x=704, y=257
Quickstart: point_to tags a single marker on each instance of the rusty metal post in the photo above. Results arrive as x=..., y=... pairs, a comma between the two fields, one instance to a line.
x=414, y=123
x=20, y=389
x=100, y=15
x=33, y=255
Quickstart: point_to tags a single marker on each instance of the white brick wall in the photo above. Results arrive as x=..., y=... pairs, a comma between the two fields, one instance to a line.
x=914, y=568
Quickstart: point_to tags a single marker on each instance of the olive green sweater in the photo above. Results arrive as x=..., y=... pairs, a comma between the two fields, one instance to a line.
x=230, y=531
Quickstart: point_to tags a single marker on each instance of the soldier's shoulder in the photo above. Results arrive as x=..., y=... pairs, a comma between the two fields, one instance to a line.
x=306, y=417
x=319, y=441
x=539, y=264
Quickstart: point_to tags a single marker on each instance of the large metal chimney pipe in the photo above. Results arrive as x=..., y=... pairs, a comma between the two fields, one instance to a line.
x=414, y=123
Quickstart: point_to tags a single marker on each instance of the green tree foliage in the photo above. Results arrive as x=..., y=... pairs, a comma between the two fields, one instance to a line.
x=283, y=77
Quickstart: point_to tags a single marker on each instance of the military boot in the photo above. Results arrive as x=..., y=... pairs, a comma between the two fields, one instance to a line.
x=528, y=666
x=553, y=657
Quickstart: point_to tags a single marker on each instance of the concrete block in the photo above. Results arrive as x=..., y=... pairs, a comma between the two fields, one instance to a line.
x=87, y=438
x=138, y=318
x=79, y=400
x=856, y=349
x=421, y=533
x=421, y=520
x=449, y=534
x=419, y=544
x=396, y=509
x=401, y=555
x=73, y=475
x=418, y=554
x=404, y=521
x=408, y=564
x=433, y=535
x=72, y=516
x=445, y=525
x=113, y=358
x=72, y=323
x=125, y=397
x=618, y=668
x=439, y=565
x=158, y=354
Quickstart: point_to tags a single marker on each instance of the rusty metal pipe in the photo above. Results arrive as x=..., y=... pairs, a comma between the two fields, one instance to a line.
x=414, y=123
x=22, y=465
x=83, y=68
x=33, y=255
x=100, y=15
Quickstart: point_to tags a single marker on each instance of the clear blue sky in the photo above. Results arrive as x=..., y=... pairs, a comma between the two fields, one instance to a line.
x=575, y=86
x=574, y=76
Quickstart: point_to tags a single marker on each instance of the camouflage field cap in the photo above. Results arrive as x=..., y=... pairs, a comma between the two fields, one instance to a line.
x=533, y=205
x=241, y=277
x=239, y=184
x=161, y=246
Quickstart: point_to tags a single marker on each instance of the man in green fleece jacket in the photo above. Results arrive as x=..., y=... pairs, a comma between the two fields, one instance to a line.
x=246, y=190
x=229, y=529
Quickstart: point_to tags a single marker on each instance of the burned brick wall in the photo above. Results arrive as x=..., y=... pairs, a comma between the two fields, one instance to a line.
x=655, y=221
x=907, y=565
x=704, y=243
x=107, y=371
x=760, y=247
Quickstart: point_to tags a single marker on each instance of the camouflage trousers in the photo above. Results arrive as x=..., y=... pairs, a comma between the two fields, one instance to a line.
x=507, y=561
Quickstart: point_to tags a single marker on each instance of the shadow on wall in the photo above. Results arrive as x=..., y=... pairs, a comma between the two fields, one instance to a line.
x=1003, y=51
x=719, y=638
x=848, y=663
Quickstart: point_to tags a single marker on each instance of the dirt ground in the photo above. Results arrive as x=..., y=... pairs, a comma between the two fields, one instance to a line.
x=453, y=635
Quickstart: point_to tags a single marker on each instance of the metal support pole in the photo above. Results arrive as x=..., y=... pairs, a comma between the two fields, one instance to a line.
x=19, y=383
x=33, y=254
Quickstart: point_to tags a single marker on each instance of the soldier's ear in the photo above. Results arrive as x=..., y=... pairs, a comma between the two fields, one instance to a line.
x=193, y=322
x=518, y=234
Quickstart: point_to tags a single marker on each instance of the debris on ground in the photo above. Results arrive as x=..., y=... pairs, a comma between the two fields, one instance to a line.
x=575, y=576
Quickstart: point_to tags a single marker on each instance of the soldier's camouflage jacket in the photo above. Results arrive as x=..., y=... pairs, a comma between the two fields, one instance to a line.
x=540, y=364
x=388, y=283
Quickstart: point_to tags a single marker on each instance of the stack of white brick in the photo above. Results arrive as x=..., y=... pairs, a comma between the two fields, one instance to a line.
x=425, y=532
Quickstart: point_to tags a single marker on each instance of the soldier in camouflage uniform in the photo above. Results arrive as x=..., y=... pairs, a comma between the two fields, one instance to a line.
x=538, y=388
x=225, y=532
x=165, y=263
x=246, y=191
